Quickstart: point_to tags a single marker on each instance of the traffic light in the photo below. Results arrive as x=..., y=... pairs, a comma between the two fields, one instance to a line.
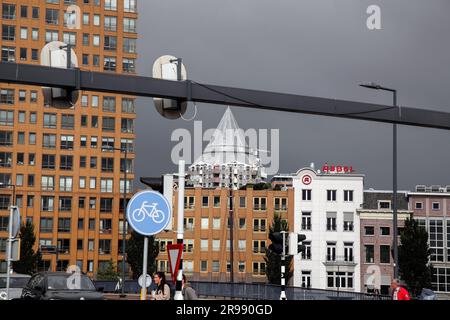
x=295, y=243
x=165, y=185
x=277, y=242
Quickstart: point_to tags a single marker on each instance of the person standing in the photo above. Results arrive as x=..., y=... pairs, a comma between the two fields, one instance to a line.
x=398, y=292
x=187, y=291
x=162, y=291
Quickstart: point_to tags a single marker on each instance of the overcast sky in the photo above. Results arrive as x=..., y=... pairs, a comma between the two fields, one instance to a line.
x=310, y=47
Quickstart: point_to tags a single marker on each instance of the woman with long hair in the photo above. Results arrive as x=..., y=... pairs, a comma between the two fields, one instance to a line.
x=162, y=291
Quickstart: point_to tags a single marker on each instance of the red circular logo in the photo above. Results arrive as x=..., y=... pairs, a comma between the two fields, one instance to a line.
x=306, y=179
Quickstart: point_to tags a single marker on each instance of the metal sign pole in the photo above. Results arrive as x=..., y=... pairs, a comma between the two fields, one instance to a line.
x=144, y=271
x=9, y=256
x=283, y=268
x=180, y=228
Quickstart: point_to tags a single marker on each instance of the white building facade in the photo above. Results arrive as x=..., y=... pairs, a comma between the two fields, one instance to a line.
x=325, y=211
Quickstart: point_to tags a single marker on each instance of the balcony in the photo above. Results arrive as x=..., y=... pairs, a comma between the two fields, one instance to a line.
x=333, y=260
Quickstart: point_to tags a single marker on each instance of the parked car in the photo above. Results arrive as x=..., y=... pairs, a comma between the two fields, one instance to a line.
x=61, y=286
x=16, y=284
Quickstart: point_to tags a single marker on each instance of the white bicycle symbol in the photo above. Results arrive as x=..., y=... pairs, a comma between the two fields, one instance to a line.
x=156, y=215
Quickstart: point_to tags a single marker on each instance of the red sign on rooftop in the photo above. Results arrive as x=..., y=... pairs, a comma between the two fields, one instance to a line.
x=337, y=169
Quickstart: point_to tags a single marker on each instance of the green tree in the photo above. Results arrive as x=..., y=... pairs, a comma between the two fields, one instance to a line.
x=273, y=260
x=29, y=259
x=135, y=250
x=413, y=257
x=108, y=271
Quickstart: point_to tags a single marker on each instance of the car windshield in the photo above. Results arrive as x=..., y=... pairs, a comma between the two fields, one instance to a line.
x=69, y=282
x=15, y=282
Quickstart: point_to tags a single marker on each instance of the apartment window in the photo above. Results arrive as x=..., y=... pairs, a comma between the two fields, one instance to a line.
x=348, y=221
x=242, y=202
x=306, y=279
x=307, y=253
x=259, y=204
x=348, y=195
x=50, y=120
x=111, y=5
x=189, y=202
x=385, y=254
x=19, y=180
x=215, y=266
x=46, y=225
x=65, y=204
x=35, y=34
x=436, y=240
x=82, y=183
x=8, y=11
x=129, y=65
x=104, y=246
x=242, y=244
x=242, y=223
x=216, y=201
x=331, y=221
x=48, y=161
x=8, y=54
x=205, y=201
x=64, y=225
x=96, y=60
x=419, y=205
x=331, y=251
x=216, y=223
x=52, y=16
x=306, y=220
x=92, y=183
x=259, y=225
x=259, y=246
x=86, y=17
x=47, y=203
x=129, y=45
x=188, y=224
x=6, y=138
x=259, y=268
x=106, y=185
x=30, y=180
x=107, y=164
x=348, y=251
x=108, y=124
x=8, y=33
x=95, y=38
x=33, y=117
x=109, y=104
x=127, y=125
x=51, y=36
x=20, y=158
x=70, y=38
x=48, y=183
x=93, y=162
x=94, y=122
x=110, y=43
x=129, y=25
x=385, y=231
x=130, y=5
x=67, y=142
x=369, y=250
x=384, y=205
x=109, y=64
x=5, y=159
x=204, y=223
x=35, y=12
x=306, y=195
x=369, y=230
x=82, y=161
x=105, y=226
x=66, y=162
x=31, y=159
x=67, y=121
x=203, y=244
x=436, y=206
x=280, y=204
x=110, y=23
x=128, y=105
x=340, y=280
x=65, y=184
x=331, y=195
x=7, y=97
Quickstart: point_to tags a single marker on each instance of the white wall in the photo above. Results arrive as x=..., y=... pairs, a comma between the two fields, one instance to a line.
x=319, y=206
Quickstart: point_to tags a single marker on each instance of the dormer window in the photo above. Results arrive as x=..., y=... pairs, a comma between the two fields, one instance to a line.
x=384, y=205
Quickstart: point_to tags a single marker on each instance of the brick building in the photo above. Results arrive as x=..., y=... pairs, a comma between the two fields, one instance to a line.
x=66, y=182
x=376, y=221
x=207, y=232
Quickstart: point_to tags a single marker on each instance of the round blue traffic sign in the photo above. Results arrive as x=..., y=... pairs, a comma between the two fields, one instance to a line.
x=148, y=212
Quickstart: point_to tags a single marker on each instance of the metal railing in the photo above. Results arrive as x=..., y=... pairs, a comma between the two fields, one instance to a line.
x=252, y=291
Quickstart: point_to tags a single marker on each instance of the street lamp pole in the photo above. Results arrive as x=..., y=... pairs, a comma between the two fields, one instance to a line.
x=124, y=227
x=394, y=171
x=10, y=236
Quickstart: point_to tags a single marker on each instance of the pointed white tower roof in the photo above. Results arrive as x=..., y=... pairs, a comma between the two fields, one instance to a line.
x=227, y=145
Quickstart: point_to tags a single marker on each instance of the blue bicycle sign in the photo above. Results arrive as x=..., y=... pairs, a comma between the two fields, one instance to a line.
x=139, y=214
x=148, y=212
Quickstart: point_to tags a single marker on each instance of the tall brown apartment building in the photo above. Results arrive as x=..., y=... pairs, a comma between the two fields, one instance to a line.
x=207, y=232
x=65, y=180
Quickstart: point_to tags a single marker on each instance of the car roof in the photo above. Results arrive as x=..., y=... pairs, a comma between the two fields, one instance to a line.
x=15, y=275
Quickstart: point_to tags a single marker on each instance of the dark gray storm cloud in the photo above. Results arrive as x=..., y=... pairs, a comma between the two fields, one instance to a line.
x=319, y=48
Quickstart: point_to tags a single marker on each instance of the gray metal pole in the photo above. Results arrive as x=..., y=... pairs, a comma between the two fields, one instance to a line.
x=124, y=227
x=9, y=255
x=394, y=200
x=180, y=227
x=231, y=217
x=144, y=270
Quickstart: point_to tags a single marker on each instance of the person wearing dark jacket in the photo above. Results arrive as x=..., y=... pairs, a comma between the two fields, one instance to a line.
x=187, y=291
